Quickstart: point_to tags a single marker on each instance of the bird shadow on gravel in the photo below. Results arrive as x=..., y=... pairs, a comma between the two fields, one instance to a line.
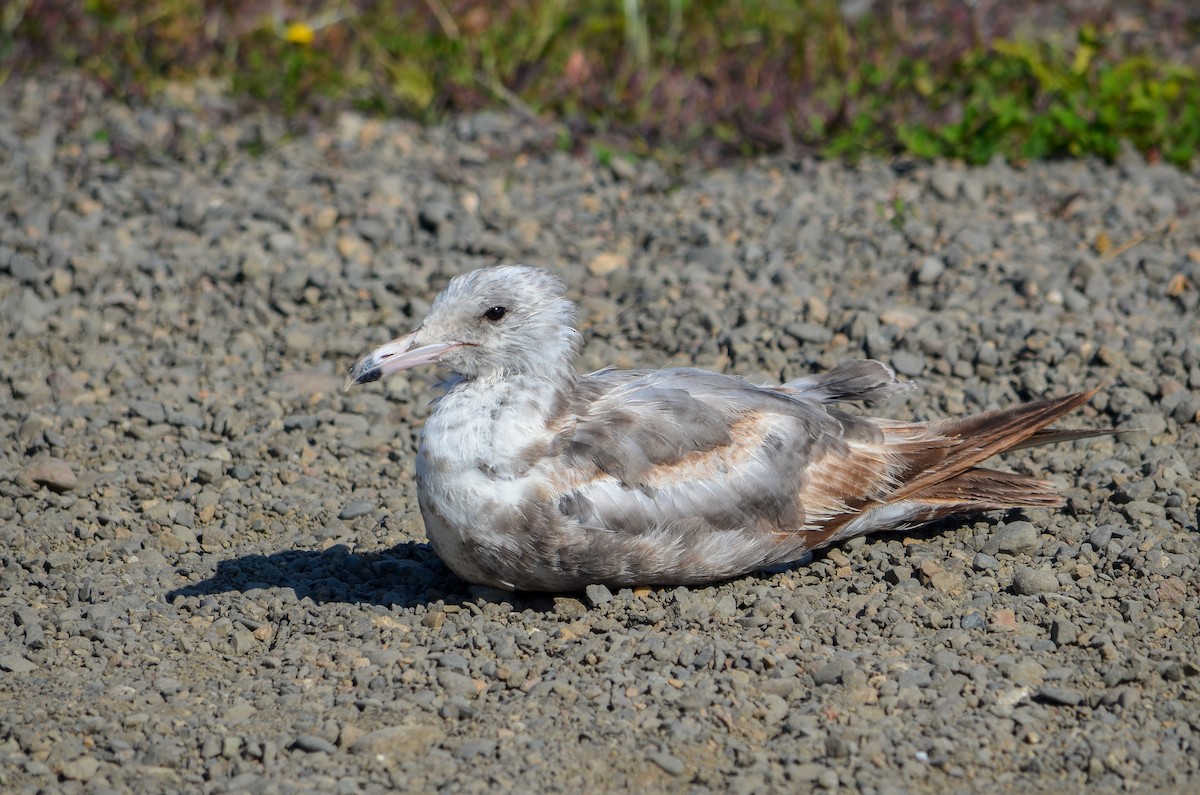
x=411, y=574
x=406, y=575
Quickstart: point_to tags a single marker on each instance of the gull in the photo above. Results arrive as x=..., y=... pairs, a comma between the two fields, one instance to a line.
x=531, y=476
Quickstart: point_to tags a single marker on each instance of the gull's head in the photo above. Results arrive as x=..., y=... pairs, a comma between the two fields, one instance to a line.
x=495, y=321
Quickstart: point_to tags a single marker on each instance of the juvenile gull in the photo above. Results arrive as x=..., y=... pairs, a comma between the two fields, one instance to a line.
x=531, y=476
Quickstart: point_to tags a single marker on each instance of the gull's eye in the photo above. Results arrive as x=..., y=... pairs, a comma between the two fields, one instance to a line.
x=495, y=313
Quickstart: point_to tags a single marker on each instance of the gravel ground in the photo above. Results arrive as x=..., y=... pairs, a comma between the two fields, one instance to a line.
x=214, y=576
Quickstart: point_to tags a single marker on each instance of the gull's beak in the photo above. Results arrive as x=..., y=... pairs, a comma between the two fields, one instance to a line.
x=399, y=354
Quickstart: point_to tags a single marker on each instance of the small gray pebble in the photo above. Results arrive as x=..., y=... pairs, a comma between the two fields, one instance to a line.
x=455, y=662
x=150, y=410
x=473, y=748
x=973, y=188
x=945, y=183
x=809, y=332
x=16, y=664
x=930, y=269
x=82, y=769
x=54, y=474
x=1055, y=694
x=672, y=765
x=1100, y=537
x=457, y=684
x=598, y=594
x=1029, y=581
x=356, y=508
x=971, y=620
x=984, y=562
x=908, y=363
x=832, y=672
x=311, y=743
x=1016, y=538
x=837, y=747
x=569, y=608
x=1063, y=631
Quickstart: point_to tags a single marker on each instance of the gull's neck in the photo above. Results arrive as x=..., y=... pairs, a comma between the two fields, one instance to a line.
x=534, y=392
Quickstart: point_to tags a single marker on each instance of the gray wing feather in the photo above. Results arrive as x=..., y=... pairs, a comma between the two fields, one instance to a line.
x=687, y=443
x=865, y=380
x=632, y=424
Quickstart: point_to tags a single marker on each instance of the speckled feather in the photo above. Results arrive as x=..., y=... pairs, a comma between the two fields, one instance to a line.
x=533, y=477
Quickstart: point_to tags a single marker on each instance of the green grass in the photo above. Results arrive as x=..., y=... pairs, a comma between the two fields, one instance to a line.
x=673, y=77
x=1029, y=101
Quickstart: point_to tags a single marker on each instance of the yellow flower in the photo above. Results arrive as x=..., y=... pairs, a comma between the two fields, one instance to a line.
x=298, y=33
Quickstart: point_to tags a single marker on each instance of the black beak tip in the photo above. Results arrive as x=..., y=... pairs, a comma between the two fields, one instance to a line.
x=364, y=377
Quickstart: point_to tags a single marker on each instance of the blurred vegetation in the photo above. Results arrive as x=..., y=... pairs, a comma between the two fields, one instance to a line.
x=967, y=79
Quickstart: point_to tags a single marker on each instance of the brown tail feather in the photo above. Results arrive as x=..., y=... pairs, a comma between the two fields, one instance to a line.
x=1057, y=435
x=985, y=435
x=937, y=474
x=990, y=490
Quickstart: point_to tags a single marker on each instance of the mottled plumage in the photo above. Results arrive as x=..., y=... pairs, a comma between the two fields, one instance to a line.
x=533, y=477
